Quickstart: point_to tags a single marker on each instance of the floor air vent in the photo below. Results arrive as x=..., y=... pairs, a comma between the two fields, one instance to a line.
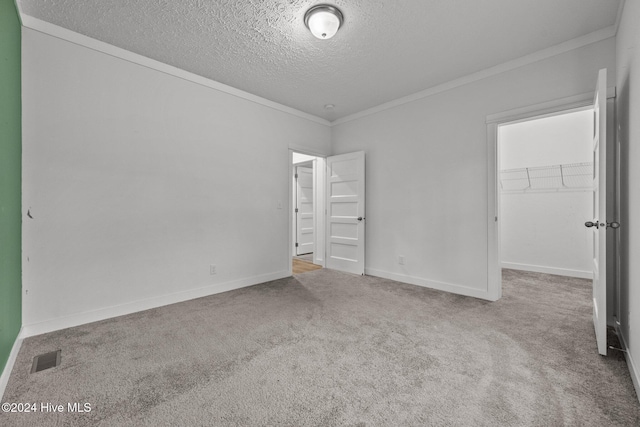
x=46, y=361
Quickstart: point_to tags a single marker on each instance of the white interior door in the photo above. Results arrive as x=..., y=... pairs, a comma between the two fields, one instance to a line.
x=304, y=210
x=599, y=223
x=345, y=212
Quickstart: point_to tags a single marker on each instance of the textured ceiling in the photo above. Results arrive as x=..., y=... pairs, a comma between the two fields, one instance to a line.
x=385, y=50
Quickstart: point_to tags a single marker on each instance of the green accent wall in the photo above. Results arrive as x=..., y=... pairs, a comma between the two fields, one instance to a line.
x=10, y=180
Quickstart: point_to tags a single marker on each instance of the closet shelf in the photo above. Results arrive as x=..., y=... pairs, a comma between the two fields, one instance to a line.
x=571, y=176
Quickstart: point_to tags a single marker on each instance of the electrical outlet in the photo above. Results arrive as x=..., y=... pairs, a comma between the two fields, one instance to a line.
x=212, y=269
x=401, y=259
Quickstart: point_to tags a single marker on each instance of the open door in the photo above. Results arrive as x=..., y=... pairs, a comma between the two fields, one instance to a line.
x=599, y=223
x=345, y=212
x=304, y=211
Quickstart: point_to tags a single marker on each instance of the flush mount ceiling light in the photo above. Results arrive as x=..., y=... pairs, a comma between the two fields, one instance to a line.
x=323, y=21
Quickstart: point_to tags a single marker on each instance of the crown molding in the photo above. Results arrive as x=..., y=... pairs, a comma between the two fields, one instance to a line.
x=540, y=55
x=111, y=50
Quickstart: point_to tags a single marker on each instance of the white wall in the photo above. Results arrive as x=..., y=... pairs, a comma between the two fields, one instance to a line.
x=130, y=178
x=427, y=168
x=560, y=139
x=628, y=137
x=543, y=230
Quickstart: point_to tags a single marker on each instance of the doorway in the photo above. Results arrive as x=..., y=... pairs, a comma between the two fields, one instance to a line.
x=307, y=212
x=338, y=194
x=545, y=193
x=547, y=109
x=605, y=206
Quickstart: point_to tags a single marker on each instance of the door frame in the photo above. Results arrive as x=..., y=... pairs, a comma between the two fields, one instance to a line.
x=319, y=172
x=493, y=122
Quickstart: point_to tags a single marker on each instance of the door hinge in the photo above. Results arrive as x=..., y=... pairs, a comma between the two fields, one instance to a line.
x=296, y=244
x=296, y=176
x=296, y=210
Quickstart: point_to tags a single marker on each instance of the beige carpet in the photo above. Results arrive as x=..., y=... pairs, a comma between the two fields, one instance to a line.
x=332, y=349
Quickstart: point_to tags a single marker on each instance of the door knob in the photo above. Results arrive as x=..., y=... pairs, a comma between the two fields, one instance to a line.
x=597, y=224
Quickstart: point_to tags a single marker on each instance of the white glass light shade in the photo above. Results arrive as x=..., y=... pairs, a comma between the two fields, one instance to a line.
x=323, y=21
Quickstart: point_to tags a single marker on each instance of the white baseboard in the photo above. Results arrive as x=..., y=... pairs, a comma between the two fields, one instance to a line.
x=6, y=372
x=633, y=371
x=145, y=304
x=548, y=270
x=432, y=284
